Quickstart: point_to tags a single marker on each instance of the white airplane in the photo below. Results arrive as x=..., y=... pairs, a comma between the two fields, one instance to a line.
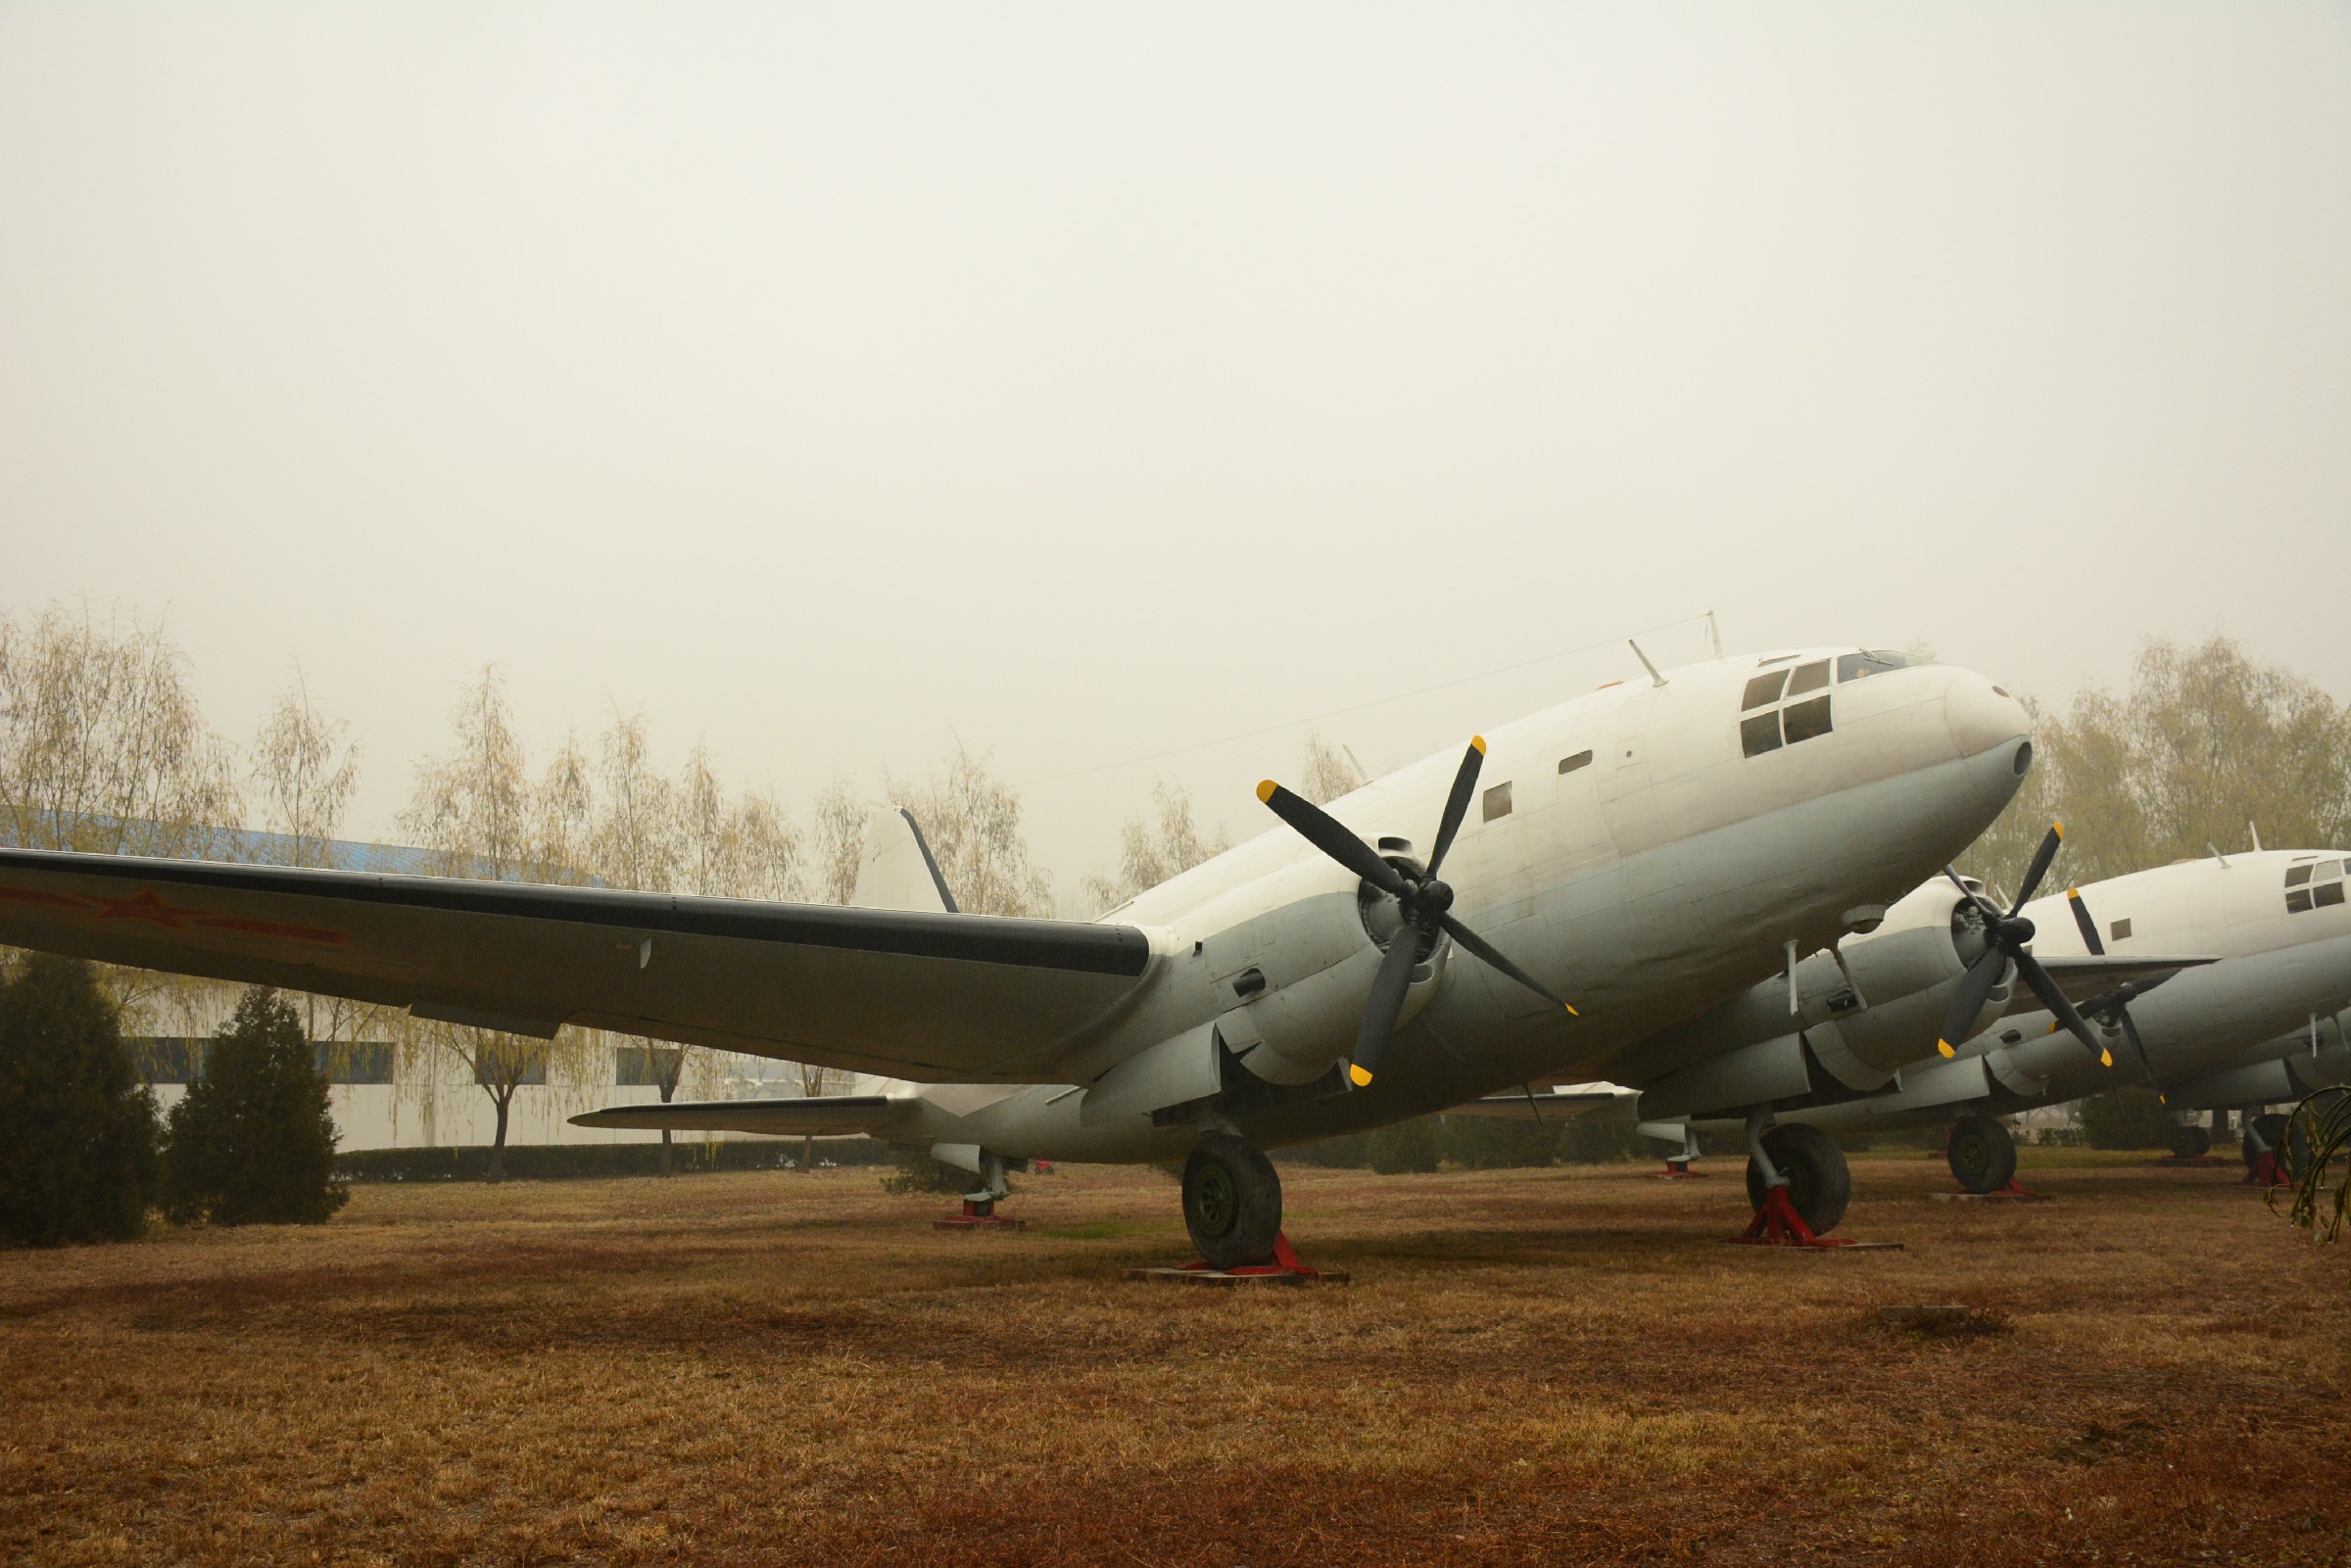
x=1609, y=866
x=2262, y=956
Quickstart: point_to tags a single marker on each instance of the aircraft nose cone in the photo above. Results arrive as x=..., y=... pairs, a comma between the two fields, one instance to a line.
x=1983, y=716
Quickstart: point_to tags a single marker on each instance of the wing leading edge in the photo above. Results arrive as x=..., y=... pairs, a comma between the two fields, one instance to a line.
x=932, y=997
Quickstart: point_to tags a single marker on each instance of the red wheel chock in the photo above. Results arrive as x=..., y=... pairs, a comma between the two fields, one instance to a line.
x=2014, y=1189
x=1778, y=1225
x=1284, y=1269
x=1679, y=1170
x=979, y=1214
x=2266, y=1171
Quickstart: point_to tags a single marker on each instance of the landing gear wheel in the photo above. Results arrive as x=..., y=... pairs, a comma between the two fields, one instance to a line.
x=2191, y=1143
x=1820, y=1184
x=1231, y=1202
x=1983, y=1156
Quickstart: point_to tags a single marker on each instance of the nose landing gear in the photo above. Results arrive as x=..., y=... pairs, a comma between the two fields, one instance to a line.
x=1799, y=1184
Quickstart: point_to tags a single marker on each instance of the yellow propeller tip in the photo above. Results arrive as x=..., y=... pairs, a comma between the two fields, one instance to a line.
x=2105, y=1059
x=1358, y=1077
x=1944, y=1046
x=2163, y=1099
x=2073, y=893
x=2058, y=828
x=1571, y=1012
x=1477, y=743
x=1266, y=789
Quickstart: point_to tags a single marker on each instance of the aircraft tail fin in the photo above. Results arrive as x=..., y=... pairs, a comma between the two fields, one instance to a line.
x=898, y=870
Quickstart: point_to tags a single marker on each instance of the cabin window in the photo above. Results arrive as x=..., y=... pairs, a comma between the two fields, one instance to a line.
x=2120, y=930
x=1808, y=678
x=1875, y=661
x=1807, y=719
x=1764, y=689
x=2327, y=893
x=1759, y=733
x=2297, y=901
x=1582, y=759
x=2296, y=876
x=1498, y=801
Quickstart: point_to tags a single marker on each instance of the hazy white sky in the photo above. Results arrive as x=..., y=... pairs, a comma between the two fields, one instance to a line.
x=1090, y=381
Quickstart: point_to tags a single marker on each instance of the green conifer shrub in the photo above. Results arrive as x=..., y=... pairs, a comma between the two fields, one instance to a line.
x=253, y=1141
x=2128, y=1118
x=1406, y=1148
x=78, y=1159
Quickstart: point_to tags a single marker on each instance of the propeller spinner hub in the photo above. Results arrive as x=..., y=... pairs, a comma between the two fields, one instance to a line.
x=2016, y=931
x=1432, y=898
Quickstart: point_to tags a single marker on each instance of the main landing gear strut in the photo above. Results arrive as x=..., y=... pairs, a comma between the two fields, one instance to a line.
x=1799, y=1182
x=1232, y=1209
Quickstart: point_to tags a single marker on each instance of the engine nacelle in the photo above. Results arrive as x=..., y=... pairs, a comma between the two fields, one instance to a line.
x=1293, y=969
x=1905, y=973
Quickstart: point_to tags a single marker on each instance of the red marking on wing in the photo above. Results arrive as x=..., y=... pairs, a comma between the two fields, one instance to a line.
x=31, y=895
x=149, y=908
x=270, y=928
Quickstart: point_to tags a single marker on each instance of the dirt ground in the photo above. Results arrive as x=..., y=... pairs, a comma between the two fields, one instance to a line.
x=1530, y=1366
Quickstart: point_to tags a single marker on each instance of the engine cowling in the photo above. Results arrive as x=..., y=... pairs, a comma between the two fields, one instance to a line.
x=1905, y=971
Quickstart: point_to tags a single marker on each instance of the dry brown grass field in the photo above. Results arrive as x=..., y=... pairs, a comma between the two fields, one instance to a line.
x=1531, y=1366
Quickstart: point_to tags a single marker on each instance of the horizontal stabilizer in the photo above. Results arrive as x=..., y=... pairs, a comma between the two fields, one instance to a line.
x=1554, y=1104
x=823, y=1116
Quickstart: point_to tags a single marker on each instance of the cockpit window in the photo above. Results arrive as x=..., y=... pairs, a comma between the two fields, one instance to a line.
x=2314, y=884
x=1874, y=661
x=1764, y=689
x=1773, y=716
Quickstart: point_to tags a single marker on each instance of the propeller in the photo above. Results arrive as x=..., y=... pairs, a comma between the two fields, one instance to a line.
x=1424, y=902
x=2118, y=1001
x=2005, y=939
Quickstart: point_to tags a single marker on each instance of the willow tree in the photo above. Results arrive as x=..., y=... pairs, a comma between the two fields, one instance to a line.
x=303, y=772
x=477, y=813
x=1326, y=772
x=103, y=749
x=1156, y=846
x=2208, y=749
x=973, y=822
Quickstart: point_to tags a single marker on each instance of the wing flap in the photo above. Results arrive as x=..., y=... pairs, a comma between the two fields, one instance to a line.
x=1554, y=1104
x=934, y=997
x=832, y=1115
x=2089, y=980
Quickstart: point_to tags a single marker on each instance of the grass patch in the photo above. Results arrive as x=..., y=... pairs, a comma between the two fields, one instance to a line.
x=1533, y=1365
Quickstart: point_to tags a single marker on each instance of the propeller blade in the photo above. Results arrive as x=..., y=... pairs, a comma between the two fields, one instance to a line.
x=1325, y=833
x=1383, y=1005
x=2139, y=1048
x=2068, y=1017
x=1456, y=804
x=2090, y=928
x=1493, y=957
x=2041, y=865
x=1960, y=1021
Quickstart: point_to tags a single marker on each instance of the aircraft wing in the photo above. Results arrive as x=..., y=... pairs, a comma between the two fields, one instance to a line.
x=2084, y=980
x=931, y=997
x=825, y=1116
x=1555, y=1103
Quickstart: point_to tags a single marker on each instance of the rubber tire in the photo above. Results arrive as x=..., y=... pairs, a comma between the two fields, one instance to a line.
x=1820, y=1184
x=1981, y=1154
x=2272, y=1126
x=1231, y=1202
x=2192, y=1143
